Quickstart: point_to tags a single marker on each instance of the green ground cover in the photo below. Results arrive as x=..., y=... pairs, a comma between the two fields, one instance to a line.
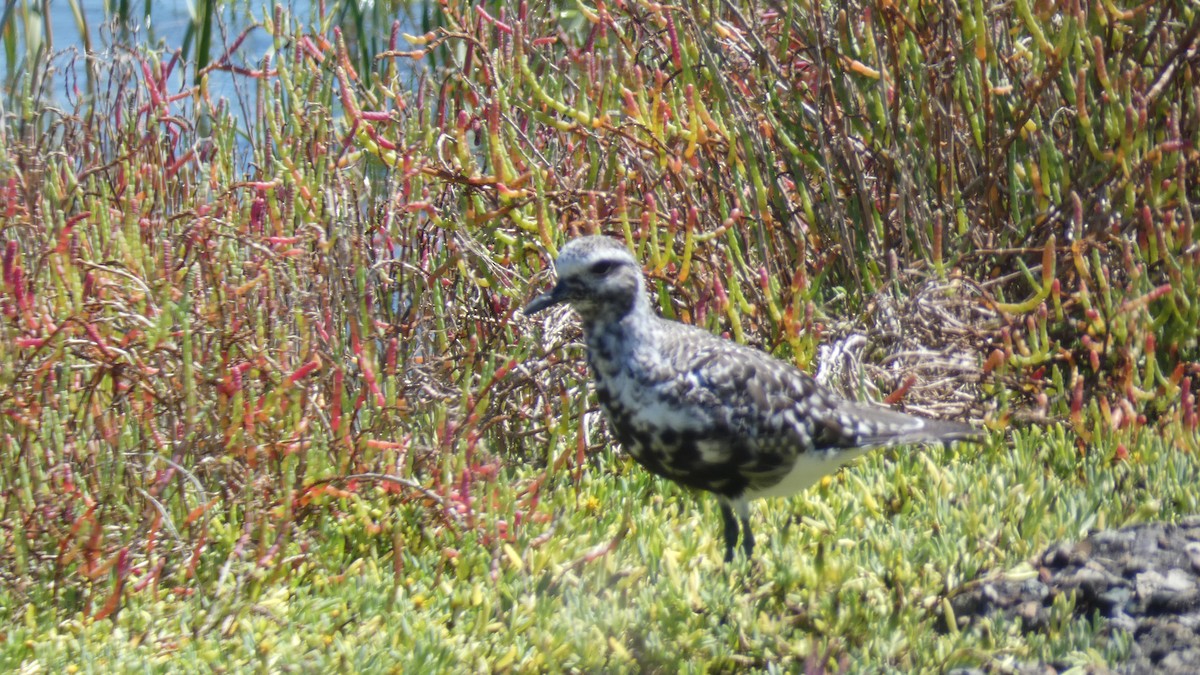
x=855, y=572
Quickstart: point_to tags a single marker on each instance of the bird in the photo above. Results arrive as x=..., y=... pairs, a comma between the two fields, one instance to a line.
x=707, y=412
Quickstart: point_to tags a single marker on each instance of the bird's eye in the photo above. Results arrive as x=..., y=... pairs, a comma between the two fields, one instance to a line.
x=603, y=267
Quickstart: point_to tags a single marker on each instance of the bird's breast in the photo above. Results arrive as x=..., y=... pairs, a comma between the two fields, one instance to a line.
x=672, y=438
x=623, y=398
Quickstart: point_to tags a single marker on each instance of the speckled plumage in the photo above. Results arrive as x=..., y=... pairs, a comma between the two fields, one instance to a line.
x=707, y=412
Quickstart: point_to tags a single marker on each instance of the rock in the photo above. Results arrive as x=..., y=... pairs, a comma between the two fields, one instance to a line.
x=1143, y=579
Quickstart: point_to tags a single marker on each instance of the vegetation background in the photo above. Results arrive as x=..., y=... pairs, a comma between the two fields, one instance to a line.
x=266, y=401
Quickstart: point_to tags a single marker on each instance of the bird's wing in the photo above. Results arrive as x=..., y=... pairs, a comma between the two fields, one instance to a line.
x=763, y=415
x=749, y=416
x=764, y=400
x=734, y=420
x=772, y=401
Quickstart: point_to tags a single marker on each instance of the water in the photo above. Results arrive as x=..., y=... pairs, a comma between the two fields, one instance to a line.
x=169, y=26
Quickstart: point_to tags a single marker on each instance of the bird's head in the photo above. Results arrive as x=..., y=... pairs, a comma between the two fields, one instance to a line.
x=597, y=277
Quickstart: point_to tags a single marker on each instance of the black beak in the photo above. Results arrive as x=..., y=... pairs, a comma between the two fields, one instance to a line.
x=546, y=300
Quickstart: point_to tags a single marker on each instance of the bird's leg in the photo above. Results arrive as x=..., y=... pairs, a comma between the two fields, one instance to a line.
x=743, y=513
x=731, y=530
x=747, y=538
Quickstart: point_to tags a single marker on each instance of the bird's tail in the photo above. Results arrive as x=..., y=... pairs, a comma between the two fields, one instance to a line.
x=879, y=426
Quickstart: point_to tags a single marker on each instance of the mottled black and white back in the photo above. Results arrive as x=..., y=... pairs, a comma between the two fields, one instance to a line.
x=707, y=412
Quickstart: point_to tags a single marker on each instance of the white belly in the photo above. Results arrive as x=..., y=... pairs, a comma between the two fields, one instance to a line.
x=810, y=467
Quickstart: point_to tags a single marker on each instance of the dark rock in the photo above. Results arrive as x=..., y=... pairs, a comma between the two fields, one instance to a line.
x=1143, y=579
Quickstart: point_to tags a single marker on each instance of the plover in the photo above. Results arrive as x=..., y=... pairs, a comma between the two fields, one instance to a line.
x=707, y=412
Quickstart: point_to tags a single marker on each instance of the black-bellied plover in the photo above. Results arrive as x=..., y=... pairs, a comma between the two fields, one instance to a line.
x=707, y=412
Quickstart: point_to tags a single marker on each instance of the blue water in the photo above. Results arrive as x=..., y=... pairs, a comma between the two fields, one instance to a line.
x=164, y=25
